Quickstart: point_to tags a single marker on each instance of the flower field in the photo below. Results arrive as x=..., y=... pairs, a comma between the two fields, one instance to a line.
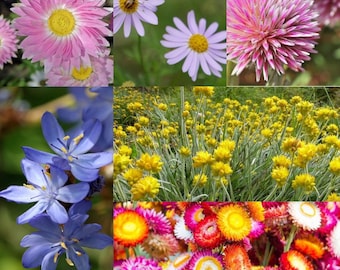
x=212, y=235
x=204, y=144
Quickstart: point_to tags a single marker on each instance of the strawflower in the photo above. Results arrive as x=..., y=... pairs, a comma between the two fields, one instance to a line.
x=305, y=215
x=205, y=259
x=8, y=42
x=47, y=189
x=198, y=45
x=131, y=13
x=147, y=187
x=130, y=228
x=270, y=35
x=140, y=263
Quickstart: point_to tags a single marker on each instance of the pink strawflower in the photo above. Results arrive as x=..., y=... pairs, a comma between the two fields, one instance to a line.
x=59, y=30
x=99, y=72
x=8, y=41
x=156, y=221
x=140, y=263
x=329, y=11
x=132, y=13
x=198, y=44
x=270, y=34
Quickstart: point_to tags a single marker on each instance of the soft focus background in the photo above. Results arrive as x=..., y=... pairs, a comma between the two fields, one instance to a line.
x=19, y=126
x=156, y=71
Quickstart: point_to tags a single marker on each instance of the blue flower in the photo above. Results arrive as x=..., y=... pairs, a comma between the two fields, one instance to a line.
x=71, y=152
x=46, y=245
x=47, y=189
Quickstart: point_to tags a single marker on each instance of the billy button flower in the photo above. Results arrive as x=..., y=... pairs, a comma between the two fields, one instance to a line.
x=151, y=163
x=334, y=165
x=145, y=188
x=71, y=152
x=202, y=158
x=304, y=181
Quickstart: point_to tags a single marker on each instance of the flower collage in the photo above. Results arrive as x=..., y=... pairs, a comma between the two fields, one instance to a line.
x=226, y=147
x=56, y=130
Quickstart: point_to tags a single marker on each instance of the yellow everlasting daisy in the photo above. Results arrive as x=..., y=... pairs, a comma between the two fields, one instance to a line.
x=147, y=187
x=129, y=228
x=234, y=222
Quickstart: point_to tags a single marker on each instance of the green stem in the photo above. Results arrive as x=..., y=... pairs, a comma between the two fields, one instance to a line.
x=290, y=238
x=142, y=63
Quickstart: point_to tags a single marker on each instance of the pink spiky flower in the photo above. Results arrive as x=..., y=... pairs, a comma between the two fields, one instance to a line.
x=329, y=11
x=8, y=42
x=270, y=34
x=59, y=30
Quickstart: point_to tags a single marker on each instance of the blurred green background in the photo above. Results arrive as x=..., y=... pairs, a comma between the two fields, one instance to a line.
x=23, y=129
x=156, y=71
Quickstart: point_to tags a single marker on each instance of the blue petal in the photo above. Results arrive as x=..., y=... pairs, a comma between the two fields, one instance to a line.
x=35, y=254
x=92, y=129
x=37, y=155
x=73, y=193
x=51, y=129
x=33, y=239
x=48, y=261
x=81, y=207
x=84, y=174
x=97, y=240
x=61, y=163
x=57, y=212
x=94, y=160
x=20, y=194
x=59, y=177
x=80, y=261
x=38, y=208
x=43, y=222
x=34, y=172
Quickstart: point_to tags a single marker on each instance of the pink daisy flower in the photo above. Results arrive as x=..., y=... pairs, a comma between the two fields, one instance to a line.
x=157, y=221
x=58, y=30
x=140, y=263
x=99, y=72
x=329, y=11
x=270, y=34
x=198, y=44
x=132, y=13
x=8, y=41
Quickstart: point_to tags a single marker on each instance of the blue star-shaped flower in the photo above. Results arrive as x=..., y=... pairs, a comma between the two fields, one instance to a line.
x=46, y=189
x=52, y=240
x=71, y=151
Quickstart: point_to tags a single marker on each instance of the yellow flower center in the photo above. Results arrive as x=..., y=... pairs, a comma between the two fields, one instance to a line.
x=308, y=209
x=208, y=263
x=82, y=73
x=235, y=220
x=129, y=227
x=198, y=43
x=129, y=6
x=61, y=22
x=181, y=260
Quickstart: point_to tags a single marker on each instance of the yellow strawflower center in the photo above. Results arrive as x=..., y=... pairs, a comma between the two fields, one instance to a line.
x=235, y=220
x=61, y=22
x=81, y=74
x=208, y=263
x=129, y=6
x=198, y=43
x=308, y=209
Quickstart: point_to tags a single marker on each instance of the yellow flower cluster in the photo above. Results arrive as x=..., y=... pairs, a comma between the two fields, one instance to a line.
x=193, y=142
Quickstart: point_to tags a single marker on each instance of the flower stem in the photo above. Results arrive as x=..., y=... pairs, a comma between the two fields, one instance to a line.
x=142, y=63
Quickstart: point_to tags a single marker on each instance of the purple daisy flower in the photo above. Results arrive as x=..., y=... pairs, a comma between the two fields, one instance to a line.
x=140, y=263
x=329, y=11
x=270, y=34
x=198, y=44
x=71, y=151
x=8, y=42
x=132, y=13
x=47, y=189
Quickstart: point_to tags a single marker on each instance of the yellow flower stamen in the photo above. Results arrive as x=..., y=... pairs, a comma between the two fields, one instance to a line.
x=129, y=6
x=61, y=22
x=81, y=74
x=198, y=43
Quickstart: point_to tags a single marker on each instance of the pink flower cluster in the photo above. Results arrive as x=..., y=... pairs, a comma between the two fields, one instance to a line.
x=68, y=37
